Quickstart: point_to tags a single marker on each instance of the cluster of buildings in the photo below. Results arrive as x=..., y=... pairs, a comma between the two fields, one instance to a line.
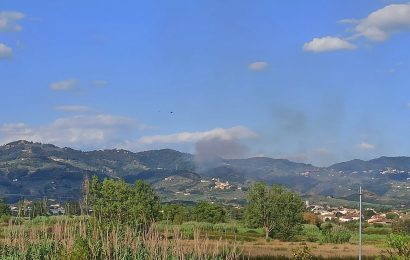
x=221, y=185
x=26, y=208
x=343, y=214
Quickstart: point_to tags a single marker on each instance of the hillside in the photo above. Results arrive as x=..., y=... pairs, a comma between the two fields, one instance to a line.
x=37, y=170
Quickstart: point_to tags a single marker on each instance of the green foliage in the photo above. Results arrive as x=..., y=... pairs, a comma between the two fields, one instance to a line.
x=278, y=211
x=4, y=208
x=42, y=251
x=207, y=212
x=368, y=213
x=353, y=225
x=72, y=208
x=312, y=233
x=401, y=226
x=399, y=247
x=377, y=230
x=39, y=208
x=116, y=201
x=175, y=214
x=80, y=250
x=333, y=233
x=392, y=215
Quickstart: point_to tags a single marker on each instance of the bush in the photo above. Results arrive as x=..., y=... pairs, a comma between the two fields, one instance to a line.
x=335, y=234
x=206, y=212
x=377, y=230
x=312, y=233
x=401, y=226
x=399, y=246
x=81, y=249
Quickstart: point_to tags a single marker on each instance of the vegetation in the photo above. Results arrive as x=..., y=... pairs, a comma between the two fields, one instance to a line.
x=399, y=247
x=401, y=226
x=116, y=201
x=278, y=211
x=4, y=209
x=336, y=234
x=116, y=220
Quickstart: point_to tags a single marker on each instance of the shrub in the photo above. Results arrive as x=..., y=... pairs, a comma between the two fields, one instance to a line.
x=336, y=234
x=312, y=233
x=401, y=226
x=399, y=246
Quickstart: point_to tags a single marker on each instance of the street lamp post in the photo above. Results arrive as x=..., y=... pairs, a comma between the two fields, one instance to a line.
x=360, y=222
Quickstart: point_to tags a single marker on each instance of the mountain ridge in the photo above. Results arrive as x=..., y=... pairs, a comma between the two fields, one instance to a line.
x=47, y=170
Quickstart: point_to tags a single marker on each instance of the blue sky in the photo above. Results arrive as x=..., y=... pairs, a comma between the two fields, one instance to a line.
x=311, y=81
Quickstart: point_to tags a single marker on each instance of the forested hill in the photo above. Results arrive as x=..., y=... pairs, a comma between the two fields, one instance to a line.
x=36, y=169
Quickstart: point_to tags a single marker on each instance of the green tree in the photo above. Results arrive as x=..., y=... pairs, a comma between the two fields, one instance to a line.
x=174, y=213
x=207, y=212
x=392, y=215
x=275, y=209
x=145, y=203
x=39, y=208
x=116, y=201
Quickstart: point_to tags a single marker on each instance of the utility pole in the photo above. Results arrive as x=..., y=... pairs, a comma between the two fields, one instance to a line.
x=360, y=222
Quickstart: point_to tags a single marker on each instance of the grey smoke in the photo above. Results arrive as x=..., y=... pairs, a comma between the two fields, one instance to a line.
x=209, y=152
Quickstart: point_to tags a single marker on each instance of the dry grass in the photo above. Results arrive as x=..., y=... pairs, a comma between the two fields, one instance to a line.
x=276, y=248
x=112, y=242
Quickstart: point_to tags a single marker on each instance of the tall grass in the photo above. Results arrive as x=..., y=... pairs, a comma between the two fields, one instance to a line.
x=85, y=238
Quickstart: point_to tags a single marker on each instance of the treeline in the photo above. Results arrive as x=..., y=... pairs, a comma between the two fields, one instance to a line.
x=275, y=209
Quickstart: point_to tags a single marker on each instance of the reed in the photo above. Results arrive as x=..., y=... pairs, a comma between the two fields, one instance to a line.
x=87, y=238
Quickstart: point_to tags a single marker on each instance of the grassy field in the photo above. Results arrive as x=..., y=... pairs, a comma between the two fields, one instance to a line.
x=64, y=236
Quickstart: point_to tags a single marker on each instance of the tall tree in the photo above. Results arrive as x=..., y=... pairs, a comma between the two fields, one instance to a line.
x=145, y=203
x=275, y=209
x=116, y=201
x=207, y=212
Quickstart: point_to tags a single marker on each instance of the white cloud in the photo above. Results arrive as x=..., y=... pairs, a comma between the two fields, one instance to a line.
x=237, y=132
x=8, y=21
x=73, y=108
x=77, y=131
x=380, y=24
x=328, y=43
x=258, y=65
x=348, y=21
x=5, y=52
x=366, y=146
x=63, y=85
x=100, y=83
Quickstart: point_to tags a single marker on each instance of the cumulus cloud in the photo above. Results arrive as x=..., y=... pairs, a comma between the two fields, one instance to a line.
x=258, y=65
x=328, y=43
x=8, y=21
x=380, y=24
x=237, y=132
x=5, y=52
x=73, y=108
x=63, y=85
x=82, y=131
x=366, y=146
